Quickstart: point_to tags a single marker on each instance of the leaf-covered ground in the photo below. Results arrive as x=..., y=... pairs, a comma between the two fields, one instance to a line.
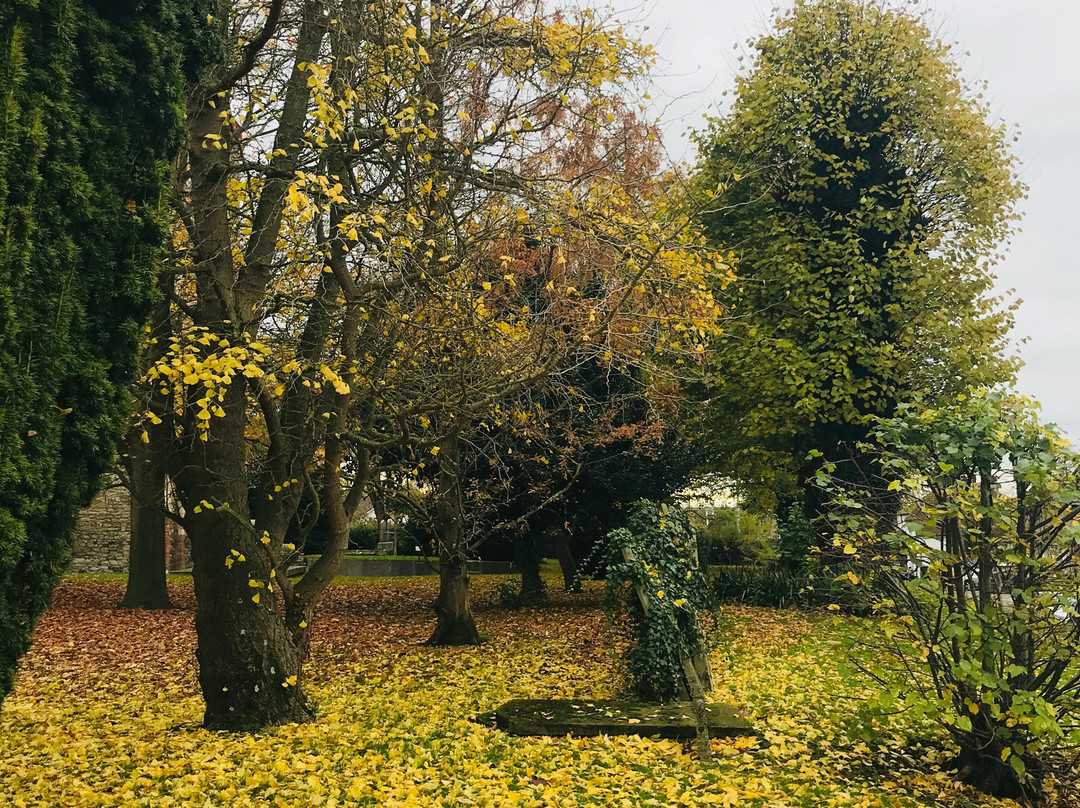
x=106, y=712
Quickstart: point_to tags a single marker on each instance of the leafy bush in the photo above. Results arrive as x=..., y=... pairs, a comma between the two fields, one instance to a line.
x=779, y=588
x=734, y=536
x=986, y=640
x=662, y=564
x=794, y=538
x=364, y=536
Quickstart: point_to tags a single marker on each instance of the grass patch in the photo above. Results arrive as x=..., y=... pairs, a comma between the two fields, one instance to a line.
x=106, y=712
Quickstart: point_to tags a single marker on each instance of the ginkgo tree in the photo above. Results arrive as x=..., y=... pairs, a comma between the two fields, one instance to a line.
x=347, y=170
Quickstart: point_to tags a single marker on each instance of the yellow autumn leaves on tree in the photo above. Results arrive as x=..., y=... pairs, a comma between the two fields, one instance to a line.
x=389, y=217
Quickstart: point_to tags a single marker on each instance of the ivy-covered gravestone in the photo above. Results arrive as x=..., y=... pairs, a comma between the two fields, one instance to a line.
x=656, y=555
x=655, y=582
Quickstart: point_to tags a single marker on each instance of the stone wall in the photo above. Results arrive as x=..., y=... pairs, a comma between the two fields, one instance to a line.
x=103, y=532
x=101, y=537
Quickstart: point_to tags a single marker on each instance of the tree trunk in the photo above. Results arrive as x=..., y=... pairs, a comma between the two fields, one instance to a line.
x=455, y=624
x=979, y=764
x=528, y=557
x=571, y=577
x=249, y=661
x=146, y=587
x=146, y=472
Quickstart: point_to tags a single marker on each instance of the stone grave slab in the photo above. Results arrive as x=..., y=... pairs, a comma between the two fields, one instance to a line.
x=612, y=717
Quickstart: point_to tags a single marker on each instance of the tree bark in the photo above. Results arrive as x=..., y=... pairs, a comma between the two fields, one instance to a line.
x=145, y=464
x=528, y=556
x=146, y=587
x=455, y=624
x=571, y=577
x=249, y=663
x=249, y=660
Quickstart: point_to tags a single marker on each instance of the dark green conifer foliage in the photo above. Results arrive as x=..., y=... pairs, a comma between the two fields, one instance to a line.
x=89, y=112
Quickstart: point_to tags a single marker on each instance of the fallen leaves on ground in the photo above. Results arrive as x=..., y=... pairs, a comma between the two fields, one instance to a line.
x=107, y=709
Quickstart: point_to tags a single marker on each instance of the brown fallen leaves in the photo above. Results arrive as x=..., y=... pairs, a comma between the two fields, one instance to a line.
x=106, y=712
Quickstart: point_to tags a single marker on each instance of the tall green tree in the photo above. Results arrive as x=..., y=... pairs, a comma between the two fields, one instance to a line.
x=864, y=190
x=88, y=121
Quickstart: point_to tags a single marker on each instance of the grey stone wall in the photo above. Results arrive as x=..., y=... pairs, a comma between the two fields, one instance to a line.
x=104, y=530
x=101, y=537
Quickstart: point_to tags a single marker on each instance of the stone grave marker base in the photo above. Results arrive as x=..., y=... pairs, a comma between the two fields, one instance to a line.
x=612, y=717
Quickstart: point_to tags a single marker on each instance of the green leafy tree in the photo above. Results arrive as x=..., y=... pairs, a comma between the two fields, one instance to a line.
x=88, y=123
x=984, y=639
x=864, y=191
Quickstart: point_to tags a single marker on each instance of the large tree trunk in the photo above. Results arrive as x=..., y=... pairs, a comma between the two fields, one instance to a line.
x=571, y=577
x=249, y=660
x=249, y=663
x=146, y=587
x=455, y=625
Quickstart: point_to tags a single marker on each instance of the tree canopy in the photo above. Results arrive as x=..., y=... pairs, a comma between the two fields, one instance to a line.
x=389, y=216
x=864, y=190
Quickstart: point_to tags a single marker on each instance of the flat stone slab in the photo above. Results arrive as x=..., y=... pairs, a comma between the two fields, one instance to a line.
x=610, y=717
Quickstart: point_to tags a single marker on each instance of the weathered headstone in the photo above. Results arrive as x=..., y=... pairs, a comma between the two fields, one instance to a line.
x=613, y=717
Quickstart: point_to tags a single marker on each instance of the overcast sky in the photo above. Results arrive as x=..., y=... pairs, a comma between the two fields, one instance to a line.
x=1028, y=53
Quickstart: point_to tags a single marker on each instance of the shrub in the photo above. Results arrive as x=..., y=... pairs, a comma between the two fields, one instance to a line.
x=364, y=536
x=985, y=640
x=778, y=588
x=794, y=538
x=734, y=536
